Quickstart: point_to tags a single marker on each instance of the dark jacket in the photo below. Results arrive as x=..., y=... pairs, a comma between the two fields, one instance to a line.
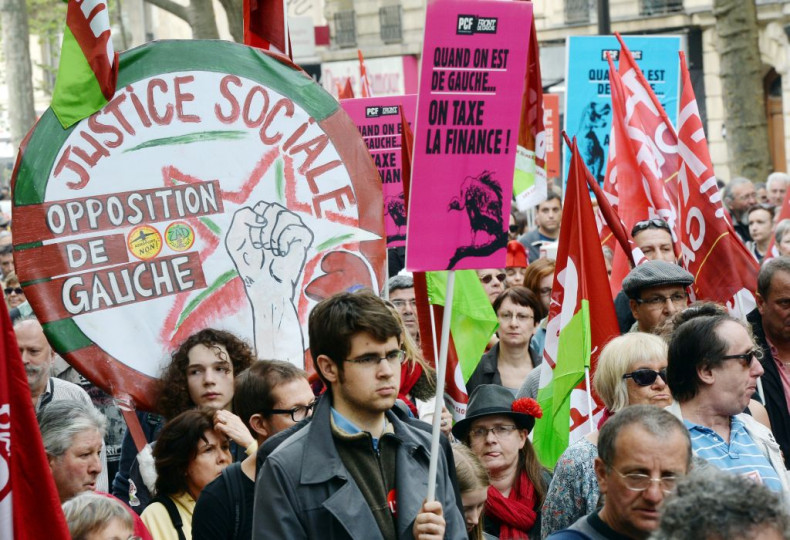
x=305, y=484
x=487, y=371
x=775, y=402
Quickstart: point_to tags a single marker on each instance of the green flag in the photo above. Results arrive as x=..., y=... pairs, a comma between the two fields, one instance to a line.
x=473, y=319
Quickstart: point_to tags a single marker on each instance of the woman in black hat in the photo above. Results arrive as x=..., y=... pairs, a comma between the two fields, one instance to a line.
x=496, y=429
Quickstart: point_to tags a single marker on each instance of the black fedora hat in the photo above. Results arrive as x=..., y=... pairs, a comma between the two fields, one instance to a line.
x=491, y=399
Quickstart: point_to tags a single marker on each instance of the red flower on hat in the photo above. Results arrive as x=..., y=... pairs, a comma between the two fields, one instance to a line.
x=528, y=406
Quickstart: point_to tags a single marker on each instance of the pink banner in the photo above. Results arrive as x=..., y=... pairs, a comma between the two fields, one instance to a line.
x=378, y=121
x=471, y=86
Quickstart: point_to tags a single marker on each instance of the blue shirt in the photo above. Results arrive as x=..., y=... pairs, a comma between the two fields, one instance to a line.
x=741, y=456
x=346, y=425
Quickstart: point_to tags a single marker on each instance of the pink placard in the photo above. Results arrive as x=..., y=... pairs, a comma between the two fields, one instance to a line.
x=378, y=120
x=468, y=112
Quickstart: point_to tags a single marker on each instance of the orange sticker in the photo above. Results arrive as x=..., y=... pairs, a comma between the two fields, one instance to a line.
x=144, y=242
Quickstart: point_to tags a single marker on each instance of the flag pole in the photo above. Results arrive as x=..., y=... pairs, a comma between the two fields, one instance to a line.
x=589, y=397
x=441, y=367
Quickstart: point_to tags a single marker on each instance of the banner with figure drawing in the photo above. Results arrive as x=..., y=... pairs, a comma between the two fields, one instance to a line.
x=471, y=85
x=234, y=197
x=588, y=110
x=379, y=123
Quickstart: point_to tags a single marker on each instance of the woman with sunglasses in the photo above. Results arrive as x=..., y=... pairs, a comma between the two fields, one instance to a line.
x=14, y=295
x=631, y=371
x=493, y=280
x=510, y=360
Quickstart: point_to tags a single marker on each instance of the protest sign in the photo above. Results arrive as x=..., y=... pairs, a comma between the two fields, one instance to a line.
x=471, y=85
x=379, y=122
x=588, y=110
x=220, y=187
x=551, y=121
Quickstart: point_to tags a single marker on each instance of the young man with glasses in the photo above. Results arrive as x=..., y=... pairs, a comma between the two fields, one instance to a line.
x=712, y=371
x=642, y=452
x=355, y=470
x=270, y=397
x=656, y=291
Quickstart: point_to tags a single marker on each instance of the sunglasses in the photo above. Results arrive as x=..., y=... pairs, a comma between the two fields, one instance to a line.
x=646, y=377
x=13, y=290
x=486, y=279
x=654, y=223
x=514, y=228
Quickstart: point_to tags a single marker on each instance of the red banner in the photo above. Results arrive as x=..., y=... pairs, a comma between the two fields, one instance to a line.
x=551, y=123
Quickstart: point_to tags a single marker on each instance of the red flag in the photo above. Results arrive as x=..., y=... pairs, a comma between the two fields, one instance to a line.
x=612, y=222
x=346, y=92
x=582, y=320
x=29, y=502
x=266, y=26
x=364, y=83
x=710, y=249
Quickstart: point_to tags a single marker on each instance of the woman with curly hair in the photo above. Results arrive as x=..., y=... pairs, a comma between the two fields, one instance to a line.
x=200, y=373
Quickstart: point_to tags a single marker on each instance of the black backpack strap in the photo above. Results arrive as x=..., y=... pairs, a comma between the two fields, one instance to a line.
x=234, y=488
x=172, y=511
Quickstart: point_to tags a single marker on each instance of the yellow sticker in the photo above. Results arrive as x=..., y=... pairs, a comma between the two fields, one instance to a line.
x=179, y=236
x=144, y=242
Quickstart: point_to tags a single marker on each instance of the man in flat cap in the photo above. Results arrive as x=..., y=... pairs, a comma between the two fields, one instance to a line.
x=656, y=290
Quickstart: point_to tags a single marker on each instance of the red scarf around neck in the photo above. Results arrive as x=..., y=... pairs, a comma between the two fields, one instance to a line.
x=516, y=512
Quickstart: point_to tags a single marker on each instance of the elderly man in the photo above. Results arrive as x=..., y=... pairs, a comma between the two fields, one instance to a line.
x=642, y=452
x=776, y=186
x=38, y=357
x=712, y=372
x=739, y=195
x=654, y=238
x=548, y=219
x=771, y=327
x=656, y=291
x=401, y=294
x=72, y=432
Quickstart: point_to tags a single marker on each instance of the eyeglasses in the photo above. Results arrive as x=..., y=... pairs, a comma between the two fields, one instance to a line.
x=13, y=290
x=486, y=279
x=478, y=434
x=393, y=357
x=646, y=377
x=746, y=358
x=654, y=223
x=298, y=413
x=640, y=482
x=513, y=228
x=679, y=299
x=400, y=304
x=520, y=317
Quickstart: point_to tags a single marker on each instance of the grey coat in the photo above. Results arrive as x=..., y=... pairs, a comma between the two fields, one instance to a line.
x=305, y=491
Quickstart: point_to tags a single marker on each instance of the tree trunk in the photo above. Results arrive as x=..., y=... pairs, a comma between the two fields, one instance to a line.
x=742, y=88
x=198, y=13
x=233, y=9
x=19, y=77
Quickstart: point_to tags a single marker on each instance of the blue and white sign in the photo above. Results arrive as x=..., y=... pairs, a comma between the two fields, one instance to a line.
x=588, y=106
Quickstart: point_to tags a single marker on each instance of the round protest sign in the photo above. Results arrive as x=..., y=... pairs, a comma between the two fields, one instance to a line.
x=220, y=187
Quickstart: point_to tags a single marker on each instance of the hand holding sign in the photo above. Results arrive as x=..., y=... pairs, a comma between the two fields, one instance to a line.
x=268, y=245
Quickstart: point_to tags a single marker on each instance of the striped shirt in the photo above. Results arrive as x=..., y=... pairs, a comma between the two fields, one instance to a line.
x=741, y=456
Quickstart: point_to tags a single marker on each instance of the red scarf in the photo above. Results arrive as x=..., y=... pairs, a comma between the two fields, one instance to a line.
x=408, y=378
x=517, y=511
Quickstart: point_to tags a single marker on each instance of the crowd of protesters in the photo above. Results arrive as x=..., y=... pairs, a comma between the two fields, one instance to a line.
x=694, y=440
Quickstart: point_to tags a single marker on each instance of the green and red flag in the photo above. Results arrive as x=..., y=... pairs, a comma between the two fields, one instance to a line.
x=581, y=321
x=472, y=324
x=88, y=68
